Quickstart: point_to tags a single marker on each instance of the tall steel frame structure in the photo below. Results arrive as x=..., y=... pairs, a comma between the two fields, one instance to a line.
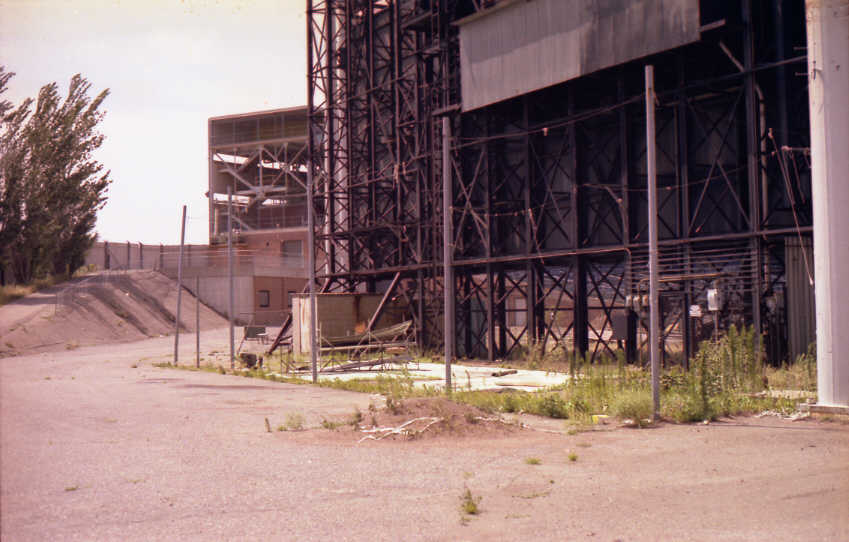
x=549, y=234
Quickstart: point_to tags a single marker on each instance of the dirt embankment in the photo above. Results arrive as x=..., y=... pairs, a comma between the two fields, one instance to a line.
x=99, y=309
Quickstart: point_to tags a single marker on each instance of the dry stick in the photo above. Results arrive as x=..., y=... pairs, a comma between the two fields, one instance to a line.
x=401, y=429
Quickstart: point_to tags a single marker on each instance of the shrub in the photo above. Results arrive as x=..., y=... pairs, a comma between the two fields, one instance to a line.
x=633, y=404
x=553, y=406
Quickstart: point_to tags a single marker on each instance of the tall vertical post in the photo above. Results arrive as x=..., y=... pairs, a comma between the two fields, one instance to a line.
x=313, y=325
x=197, y=321
x=230, y=302
x=311, y=151
x=753, y=170
x=654, y=307
x=828, y=87
x=447, y=253
x=179, y=284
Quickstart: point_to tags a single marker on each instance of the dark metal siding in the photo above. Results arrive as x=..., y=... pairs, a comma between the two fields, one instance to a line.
x=532, y=45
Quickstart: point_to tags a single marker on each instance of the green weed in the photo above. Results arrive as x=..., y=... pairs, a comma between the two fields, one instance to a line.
x=331, y=425
x=294, y=422
x=469, y=504
x=635, y=405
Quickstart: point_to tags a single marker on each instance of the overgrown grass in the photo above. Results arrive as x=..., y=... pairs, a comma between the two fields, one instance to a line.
x=10, y=293
x=799, y=375
x=633, y=405
x=294, y=422
x=725, y=378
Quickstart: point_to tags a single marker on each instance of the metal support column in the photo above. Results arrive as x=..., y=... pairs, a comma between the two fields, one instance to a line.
x=654, y=308
x=828, y=76
x=753, y=171
x=230, y=301
x=179, y=284
x=449, y=332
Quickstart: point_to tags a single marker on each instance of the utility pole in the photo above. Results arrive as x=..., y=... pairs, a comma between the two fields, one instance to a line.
x=179, y=285
x=230, y=270
x=654, y=308
x=828, y=87
x=197, y=321
x=447, y=256
x=311, y=273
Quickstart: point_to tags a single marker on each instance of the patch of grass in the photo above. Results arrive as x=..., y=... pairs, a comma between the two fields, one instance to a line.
x=725, y=379
x=294, y=422
x=10, y=293
x=572, y=456
x=533, y=461
x=356, y=418
x=469, y=504
x=394, y=405
x=634, y=405
x=331, y=425
x=72, y=488
x=799, y=375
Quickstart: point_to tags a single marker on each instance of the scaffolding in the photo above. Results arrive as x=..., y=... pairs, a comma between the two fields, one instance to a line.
x=260, y=157
x=548, y=188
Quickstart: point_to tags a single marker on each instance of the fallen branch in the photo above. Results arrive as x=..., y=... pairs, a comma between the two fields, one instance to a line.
x=400, y=430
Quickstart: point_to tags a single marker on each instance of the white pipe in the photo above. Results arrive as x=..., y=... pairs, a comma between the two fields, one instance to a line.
x=828, y=95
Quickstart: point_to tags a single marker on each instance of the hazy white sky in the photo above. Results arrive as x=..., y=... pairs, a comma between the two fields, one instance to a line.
x=170, y=65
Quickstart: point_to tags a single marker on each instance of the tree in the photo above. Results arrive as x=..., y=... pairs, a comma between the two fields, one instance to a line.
x=51, y=188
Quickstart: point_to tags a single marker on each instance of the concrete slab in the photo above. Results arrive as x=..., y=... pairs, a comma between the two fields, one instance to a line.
x=464, y=377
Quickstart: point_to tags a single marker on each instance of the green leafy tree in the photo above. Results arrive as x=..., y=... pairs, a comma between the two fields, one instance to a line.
x=51, y=187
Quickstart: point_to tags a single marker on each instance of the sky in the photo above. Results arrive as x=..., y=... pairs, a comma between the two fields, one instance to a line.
x=169, y=66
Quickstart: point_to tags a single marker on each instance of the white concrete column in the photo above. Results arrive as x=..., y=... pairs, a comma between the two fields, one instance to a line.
x=828, y=75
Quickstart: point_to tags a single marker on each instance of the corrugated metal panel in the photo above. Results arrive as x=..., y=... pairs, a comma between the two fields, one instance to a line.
x=801, y=323
x=531, y=44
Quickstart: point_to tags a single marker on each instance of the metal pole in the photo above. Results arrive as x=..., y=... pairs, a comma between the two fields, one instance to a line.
x=311, y=272
x=828, y=84
x=197, y=321
x=310, y=211
x=179, y=285
x=311, y=264
x=447, y=255
x=231, y=309
x=654, y=308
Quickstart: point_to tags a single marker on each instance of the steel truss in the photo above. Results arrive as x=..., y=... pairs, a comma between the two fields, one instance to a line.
x=549, y=189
